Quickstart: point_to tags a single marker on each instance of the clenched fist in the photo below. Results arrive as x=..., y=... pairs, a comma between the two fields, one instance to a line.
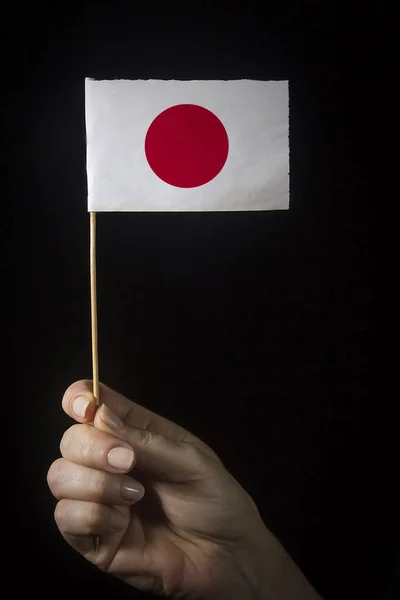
x=148, y=502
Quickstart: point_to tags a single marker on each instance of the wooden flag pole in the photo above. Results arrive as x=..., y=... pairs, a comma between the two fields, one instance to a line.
x=93, y=300
x=93, y=303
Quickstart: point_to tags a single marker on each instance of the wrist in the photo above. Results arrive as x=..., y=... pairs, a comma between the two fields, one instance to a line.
x=272, y=574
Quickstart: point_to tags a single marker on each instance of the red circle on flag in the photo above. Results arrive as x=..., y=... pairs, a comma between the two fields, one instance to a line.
x=186, y=145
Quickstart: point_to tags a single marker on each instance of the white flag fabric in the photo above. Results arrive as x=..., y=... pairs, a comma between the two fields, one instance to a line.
x=166, y=145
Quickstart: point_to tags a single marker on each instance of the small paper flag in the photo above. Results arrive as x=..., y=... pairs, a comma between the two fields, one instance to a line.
x=166, y=145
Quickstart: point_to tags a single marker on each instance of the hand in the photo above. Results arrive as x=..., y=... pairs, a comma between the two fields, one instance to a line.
x=181, y=526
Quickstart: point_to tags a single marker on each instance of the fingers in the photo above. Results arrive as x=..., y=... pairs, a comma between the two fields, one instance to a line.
x=68, y=480
x=166, y=459
x=74, y=405
x=99, y=448
x=94, y=490
x=131, y=413
x=80, y=518
x=86, y=445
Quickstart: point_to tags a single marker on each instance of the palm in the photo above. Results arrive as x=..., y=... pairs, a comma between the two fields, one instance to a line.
x=172, y=538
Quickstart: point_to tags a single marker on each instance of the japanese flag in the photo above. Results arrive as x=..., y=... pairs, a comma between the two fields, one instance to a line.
x=187, y=145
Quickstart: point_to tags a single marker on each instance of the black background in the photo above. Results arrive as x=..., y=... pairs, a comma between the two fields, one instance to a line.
x=252, y=330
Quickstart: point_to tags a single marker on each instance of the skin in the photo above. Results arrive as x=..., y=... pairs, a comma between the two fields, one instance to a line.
x=187, y=530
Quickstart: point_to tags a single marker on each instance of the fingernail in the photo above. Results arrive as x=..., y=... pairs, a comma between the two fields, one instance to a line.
x=118, y=520
x=80, y=405
x=132, y=490
x=121, y=458
x=109, y=419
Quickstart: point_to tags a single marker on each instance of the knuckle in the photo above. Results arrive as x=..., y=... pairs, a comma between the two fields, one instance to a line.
x=98, y=484
x=197, y=464
x=62, y=514
x=195, y=456
x=147, y=437
x=68, y=438
x=78, y=442
x=95, y=517
x=53, y=474
x=87, y=449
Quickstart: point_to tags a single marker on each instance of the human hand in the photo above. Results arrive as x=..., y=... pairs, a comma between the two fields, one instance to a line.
x=194, y=534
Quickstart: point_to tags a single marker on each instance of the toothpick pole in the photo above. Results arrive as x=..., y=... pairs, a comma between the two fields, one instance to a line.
x=93, y=299
x=93, y=303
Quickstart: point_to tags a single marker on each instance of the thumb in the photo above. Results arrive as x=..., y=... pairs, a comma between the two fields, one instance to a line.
x=163, y=458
